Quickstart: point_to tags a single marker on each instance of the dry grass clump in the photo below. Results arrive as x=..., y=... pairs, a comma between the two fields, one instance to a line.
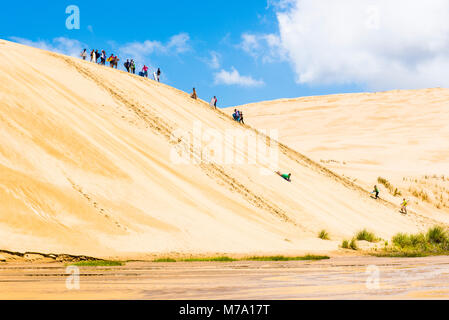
x=394, y=191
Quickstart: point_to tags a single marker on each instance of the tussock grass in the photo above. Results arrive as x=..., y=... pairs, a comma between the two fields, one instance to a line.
x=98, y=263
x=346, y=244
x=353, y=244
x=434, y=242
x=365, y=235
x=438, y=235
x=324, y=235
x=394, y=191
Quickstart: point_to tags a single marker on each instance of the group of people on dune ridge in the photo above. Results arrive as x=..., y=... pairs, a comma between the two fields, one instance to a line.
x=113, y=60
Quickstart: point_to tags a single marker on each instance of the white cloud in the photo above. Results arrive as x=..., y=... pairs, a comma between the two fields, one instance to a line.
x=264, y=46
x=140, y=51
x=380, y=44
x=179, y=43
x=233, y=77
x=62, y=45
x=214, y=61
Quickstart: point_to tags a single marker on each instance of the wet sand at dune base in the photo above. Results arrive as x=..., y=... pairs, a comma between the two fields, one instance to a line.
x=337, y=278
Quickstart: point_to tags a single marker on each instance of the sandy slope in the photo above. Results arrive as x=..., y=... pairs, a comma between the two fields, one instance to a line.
x=400, y=135
x=85, y=168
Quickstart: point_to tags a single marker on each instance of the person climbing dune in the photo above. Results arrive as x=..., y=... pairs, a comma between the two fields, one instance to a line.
x=241, y=118
x=236, y=115
x=285, y=176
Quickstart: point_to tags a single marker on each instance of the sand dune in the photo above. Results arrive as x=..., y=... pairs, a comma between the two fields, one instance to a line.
x=401, y=135
x=86, y=167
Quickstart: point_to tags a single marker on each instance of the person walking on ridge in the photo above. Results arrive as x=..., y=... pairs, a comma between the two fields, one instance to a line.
x=111, y=61
x=84, y=54
x=145, y=71
x=127, y=65
x=133, y=67
x=103, y=57
x=194, y=95
x=92, y=56
x=97, y=56
x=158, y=73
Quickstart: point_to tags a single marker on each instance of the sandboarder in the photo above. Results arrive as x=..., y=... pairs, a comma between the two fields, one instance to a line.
x=376, y=192
x=285, y=176
x=158, y=73
x=404, y=205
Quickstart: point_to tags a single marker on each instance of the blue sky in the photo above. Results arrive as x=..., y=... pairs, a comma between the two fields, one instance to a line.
x=252, y=50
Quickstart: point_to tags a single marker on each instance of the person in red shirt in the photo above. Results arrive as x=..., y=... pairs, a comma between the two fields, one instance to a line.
x=145, y=71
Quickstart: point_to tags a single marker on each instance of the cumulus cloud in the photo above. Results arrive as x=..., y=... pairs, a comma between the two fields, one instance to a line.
x=140, y=51
x=264, y=46
x=61, y=45
x=380, y=44
x=233, y=77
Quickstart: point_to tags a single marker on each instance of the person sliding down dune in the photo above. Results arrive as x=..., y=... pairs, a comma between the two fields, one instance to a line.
x=404, y=207
x=285, y=176
x=376, y=192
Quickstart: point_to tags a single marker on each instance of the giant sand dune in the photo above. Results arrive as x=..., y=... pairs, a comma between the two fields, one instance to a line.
x=87, y=168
